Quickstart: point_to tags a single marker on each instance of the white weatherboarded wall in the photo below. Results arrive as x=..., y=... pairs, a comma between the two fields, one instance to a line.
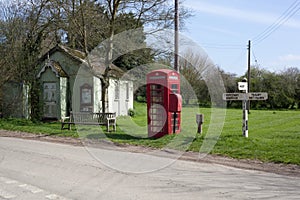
x=120, y=95
x=97, y=94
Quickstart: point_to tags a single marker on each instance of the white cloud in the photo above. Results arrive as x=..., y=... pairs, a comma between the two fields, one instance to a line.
x=282, y=62
x=220, y=30
x=289, y=58
x=252, y=16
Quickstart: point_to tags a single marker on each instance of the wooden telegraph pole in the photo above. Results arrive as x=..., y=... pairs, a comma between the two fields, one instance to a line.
x=176, y=49
x=176, y=38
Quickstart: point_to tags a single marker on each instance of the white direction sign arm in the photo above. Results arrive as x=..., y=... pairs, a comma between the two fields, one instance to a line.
x=234, y=96
x=258, y=96
x=254, y=96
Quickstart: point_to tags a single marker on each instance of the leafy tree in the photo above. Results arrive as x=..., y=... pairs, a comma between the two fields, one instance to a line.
x=271, y=84
x=258, y=76
x=230, y=82
x=297, y=93
x=281, y=87
x=135, y=58
x=290, y=80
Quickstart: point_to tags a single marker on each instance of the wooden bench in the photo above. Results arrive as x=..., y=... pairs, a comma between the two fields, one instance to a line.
x=89, y=118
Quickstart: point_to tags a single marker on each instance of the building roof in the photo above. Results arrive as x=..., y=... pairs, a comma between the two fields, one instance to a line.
x=55, y=67
x=96, y=65
x=74, y=54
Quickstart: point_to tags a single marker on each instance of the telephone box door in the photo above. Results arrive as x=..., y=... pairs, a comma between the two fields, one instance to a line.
x=156, y=112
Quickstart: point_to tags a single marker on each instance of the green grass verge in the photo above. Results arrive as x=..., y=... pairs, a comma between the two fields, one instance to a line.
x=274, y=136
x=49, y=128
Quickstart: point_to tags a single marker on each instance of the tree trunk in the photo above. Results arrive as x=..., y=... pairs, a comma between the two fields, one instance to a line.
x=104, y=84
x=108, y=62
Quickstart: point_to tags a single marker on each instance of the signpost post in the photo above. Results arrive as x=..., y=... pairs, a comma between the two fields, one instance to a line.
x=253, y=96
x=243, y=86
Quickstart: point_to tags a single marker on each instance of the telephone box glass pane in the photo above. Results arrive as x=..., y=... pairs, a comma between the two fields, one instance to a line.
x=174, y=88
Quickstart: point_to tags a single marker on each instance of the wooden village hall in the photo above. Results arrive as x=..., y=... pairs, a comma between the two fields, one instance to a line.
x=68, y=84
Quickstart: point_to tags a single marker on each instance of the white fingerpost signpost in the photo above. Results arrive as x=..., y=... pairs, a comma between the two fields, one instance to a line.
x=243, y=86
x=245, y=96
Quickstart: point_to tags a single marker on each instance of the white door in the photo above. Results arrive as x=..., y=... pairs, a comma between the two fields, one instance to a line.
x=50, y=100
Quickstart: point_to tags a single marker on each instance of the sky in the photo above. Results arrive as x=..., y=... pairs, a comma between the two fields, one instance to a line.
x=224, y=27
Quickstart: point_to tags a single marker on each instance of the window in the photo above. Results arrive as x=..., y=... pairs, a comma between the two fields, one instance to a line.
x=86, y=98
x=117, y=90
x=174, y=88
x=127, y=91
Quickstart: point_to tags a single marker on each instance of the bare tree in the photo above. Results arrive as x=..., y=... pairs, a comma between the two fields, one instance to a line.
x=24, y=27
x=87, y=22
x=82, y=22
x=157, y=14
x=193, y=84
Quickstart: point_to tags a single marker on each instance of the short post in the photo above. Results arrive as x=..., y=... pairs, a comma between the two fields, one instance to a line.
x=199, y=121
x=174, y=122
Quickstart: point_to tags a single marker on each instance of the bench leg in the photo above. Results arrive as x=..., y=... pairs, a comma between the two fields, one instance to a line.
x=63, y=126
x=113, y=123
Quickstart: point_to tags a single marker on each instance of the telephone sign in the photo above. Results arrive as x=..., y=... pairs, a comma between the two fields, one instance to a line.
x=243, y=86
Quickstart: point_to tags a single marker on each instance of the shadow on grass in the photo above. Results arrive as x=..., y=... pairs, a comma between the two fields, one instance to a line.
x=118, y=136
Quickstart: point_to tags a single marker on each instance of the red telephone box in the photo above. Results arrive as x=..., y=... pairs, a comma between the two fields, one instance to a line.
x=163, y=102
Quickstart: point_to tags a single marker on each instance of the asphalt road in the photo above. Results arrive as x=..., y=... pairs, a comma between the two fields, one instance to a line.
x=40, y=170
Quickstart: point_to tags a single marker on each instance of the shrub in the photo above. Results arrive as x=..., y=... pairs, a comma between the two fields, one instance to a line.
x=141, y=99
x=131, y=112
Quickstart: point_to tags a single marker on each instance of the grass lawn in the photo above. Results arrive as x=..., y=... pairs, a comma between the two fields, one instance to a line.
x=273, y=135
x=49, y=128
